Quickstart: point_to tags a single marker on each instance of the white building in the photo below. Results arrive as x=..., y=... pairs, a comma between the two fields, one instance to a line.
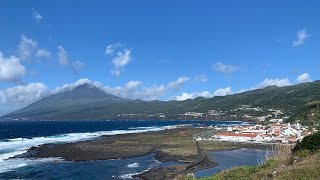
x=235, y=137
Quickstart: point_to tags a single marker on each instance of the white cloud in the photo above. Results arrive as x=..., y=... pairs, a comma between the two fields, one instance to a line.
x=109, y=50
x=201, y=78
x=185, y=96
x=23, y=94
x=121, y=57
x=77, y=66
x=43, y=53
x=274, y=82
x=131, y=90
x=153, y=92
x=305, y=77
x=112, y=48
x=224, y=68
x=223, y=92
x=134, y=90
x=36, y=15
x=177, y=85
x=10, y=69
x=133, y=84
x=28, y=48
x=71, y=86
x=63, y=56
x=302, y=35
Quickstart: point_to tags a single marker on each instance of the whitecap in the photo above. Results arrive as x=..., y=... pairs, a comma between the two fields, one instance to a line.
x=13, y=147
x=133, y=165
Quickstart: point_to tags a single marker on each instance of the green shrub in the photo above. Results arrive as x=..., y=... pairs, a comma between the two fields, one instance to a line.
x=311, y=142
x=303, y=153
x=270, y=163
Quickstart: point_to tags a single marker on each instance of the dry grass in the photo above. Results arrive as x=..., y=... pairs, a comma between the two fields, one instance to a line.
x=278, y=166
x=281, y=153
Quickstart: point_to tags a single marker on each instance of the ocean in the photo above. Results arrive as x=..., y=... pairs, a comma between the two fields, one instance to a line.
x=17, y=136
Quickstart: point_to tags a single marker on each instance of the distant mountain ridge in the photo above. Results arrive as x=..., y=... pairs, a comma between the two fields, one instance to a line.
x=89, y=102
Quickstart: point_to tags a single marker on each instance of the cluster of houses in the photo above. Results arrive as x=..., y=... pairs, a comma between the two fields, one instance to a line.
x=193, y=114
x=273, y=133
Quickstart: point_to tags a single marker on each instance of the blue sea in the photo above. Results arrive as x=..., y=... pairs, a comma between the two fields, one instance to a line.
x=17, y=136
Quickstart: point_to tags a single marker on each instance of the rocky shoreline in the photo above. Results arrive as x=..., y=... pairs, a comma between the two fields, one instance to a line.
x=168, y=145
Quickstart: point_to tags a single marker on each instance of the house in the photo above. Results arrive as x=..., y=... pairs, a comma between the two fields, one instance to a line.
x=289, y=132
x=264, y=138
x=276, y=126
x=235, y=137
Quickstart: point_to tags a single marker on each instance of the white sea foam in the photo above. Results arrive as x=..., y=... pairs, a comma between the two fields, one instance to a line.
x=127, y=176
x=133, y=165
x=13, y=147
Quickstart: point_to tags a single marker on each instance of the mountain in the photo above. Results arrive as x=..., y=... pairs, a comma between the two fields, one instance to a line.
x=89, y=102
x=64, y=104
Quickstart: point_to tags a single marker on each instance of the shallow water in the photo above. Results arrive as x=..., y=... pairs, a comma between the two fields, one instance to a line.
x=231, y=158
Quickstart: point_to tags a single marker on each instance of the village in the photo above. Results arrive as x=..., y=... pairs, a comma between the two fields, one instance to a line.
x=272, y=133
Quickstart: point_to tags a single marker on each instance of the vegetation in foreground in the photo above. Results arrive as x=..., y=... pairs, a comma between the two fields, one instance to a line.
x=301, y=162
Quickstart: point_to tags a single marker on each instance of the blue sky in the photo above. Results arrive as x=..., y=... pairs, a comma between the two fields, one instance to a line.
x=157, y=49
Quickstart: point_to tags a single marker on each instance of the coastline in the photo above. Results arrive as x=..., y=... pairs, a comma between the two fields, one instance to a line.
x=173, y=145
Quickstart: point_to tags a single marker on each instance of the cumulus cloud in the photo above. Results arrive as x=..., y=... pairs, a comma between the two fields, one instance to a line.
x=62, y=56
x=302, y=35
x=305, y=77
x=121, y=57
x=201, y=78
x=133, y=84
x=185, y=96
x=71, y=86
x=153, y=92
x=274, y=82
x=121, y=60
x=28, y=48
x=10, y=69
x=205, y=94
x=177, y=85
x=223, y=91
x=77, y=66
x=36, y=15
x=23, y=94
x=130, y=90
x=224, y=68
x=134, y=90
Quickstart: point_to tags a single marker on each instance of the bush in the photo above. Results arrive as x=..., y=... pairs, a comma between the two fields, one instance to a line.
x=311, y=142
x=270, y=163
x=303, y=153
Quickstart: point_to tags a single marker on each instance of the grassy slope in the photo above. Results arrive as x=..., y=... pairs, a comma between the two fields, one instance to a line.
x=299, y=162
x=308, y=116
x=307, y=168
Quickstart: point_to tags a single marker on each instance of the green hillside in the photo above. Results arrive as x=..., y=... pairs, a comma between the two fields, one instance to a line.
x=309, y=114
x=87, y=102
